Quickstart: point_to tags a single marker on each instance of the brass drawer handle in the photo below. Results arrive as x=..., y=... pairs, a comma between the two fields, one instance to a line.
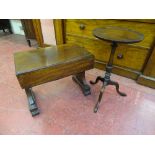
x=120, y=56
x=82, y=26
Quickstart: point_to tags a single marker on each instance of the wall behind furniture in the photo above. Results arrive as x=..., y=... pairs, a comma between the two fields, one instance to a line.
x=48, y=31
x=16, y=26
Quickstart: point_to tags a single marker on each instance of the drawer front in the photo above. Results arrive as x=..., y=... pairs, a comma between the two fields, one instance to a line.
x=97, y=47
x=84, y=27
x=130, y=57
x=125, y=55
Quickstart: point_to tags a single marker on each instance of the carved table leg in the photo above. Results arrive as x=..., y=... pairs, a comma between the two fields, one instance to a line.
x=81, y=81
x=106, y=80
x=117, y=87
x=100, y=97
x=32, y=103
x=99, y=78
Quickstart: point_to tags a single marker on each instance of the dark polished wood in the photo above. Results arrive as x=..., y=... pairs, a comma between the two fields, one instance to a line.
x=81, y=81
x=52, y=63
x=118, y=34
x=135, y=56
x=114, y=35
x=116, y=69
x=32, y=102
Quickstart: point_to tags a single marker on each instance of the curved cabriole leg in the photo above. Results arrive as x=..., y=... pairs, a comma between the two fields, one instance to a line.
x=117, y=87
x=99, y=99
x=99, y=78
x=81, y=81
x=32, y=103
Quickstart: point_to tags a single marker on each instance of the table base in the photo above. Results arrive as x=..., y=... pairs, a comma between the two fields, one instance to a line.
x=106, y=79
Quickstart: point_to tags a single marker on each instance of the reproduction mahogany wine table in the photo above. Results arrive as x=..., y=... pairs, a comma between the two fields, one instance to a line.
x=52, y=63
x=114, y=35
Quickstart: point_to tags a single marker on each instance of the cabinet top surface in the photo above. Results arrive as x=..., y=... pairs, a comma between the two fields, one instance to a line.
x=27, y=61
x=118, y=34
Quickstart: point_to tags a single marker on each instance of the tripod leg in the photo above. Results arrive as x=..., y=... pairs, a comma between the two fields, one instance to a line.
x=117, y=87
x=97, y=79
x=99, y=99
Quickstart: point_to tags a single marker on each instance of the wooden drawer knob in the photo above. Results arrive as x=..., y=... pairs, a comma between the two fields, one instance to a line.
x=82, y=26
x=120, y=56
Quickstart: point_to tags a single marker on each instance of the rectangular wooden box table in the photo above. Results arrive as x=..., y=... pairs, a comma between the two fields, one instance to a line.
x=43, y=65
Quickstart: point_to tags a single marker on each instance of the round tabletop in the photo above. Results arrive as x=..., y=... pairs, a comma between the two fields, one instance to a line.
x=118, y=34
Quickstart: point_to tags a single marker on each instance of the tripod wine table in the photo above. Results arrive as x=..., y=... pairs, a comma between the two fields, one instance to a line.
x=114, y=35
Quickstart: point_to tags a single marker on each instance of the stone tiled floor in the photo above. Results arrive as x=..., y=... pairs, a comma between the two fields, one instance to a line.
x=64, y=109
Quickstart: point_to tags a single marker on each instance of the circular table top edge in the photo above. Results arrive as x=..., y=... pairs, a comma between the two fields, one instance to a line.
x=141, y=36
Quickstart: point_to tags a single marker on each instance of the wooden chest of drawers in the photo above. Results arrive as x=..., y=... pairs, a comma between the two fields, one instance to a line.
x=126, y=56
x=129, y=61
x=84, y=28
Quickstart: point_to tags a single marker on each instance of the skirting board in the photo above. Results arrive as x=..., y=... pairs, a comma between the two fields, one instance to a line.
x=146, y=81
